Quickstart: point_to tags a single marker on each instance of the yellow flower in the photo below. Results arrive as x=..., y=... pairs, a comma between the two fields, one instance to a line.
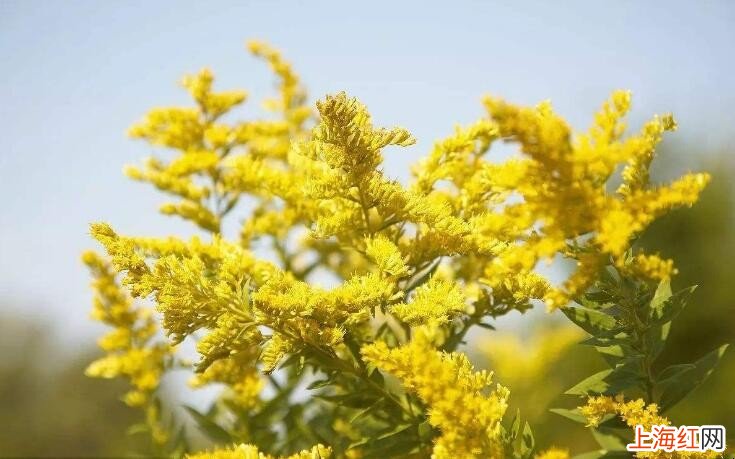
x=635, y=412
x=131, y=352
x=453, y=393
x=386, y=255
x=562, y=181
x=553, y=453
x=435, y=302
x=462, y=241
x=243, y=451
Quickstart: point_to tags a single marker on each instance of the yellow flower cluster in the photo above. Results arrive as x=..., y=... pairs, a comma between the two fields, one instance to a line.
x=634, y=412
x=251, y=452
x=461, y=242
x=205, y=176
x=563, y=180
x=453, y=392
x=356, y=200
x=238, y=374
x=554, y=453
x=302, y=314
x=130, y=351
x=435, y=302
x=292, y=97
x=208, y=286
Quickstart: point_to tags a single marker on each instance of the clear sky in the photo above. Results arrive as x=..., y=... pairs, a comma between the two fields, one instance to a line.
x=76, y=74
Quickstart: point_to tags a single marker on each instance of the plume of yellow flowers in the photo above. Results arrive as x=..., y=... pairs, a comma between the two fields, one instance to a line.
x=456, y=246
x=244, y=451
x=469, y=419
x=633, y=413
x=131, y=352
x=554, y=453
x=563, y=180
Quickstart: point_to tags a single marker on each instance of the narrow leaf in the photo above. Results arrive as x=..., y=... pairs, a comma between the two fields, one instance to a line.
x=681, y=384
x=213, y=430
x=662, y=311
x=594, y=322
x=574, y=414
x=608, y=440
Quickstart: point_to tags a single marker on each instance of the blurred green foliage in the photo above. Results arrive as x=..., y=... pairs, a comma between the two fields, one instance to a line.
x=702, y=242
x=49, y=408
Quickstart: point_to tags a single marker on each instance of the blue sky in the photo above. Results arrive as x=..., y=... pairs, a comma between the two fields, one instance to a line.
x=76, y=74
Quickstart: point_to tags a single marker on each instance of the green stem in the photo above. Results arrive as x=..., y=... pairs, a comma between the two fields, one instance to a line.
x=454, y=341
x=359, y=373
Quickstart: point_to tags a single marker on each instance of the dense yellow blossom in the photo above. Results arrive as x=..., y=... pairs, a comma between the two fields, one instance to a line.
x=409, y=265
x=554, y=453
x=469, y=419
x=190, y=298
x=354, y=197
x=387, y=256
x=633, y=413
x=563, y=179
x=434, y=302
x=292, y=96
x=131, y=352
x=238, y=373
x=302, y=314
x=211, y=104
x=251, y=452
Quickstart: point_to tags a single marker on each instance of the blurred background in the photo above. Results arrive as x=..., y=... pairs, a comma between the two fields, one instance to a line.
x=76, y=74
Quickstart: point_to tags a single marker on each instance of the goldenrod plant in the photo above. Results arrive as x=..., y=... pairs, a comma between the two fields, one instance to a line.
x=374, y=366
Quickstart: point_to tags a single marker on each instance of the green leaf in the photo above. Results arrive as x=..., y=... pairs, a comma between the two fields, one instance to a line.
x=604, y=454
x=140, y=427
x=663, y=293
x=318, y=384
x=515, y=426
x=376, y=376
x=425, y=430
x=180, y=443
x=615, y=350
x=292, y=360
x=611, y=381
x=364, y=412
x=527, y=441
x=680, y=384
x=595, y=384
x=609, y=440
x=591, y=455
x=655, y=339
x=352, y=400
x=574, y=414
x=394, y=443
x=614, y=354
x=664, y=308
x=600, y=297
x=594, y=322
x=213, y=430
x=674, y=370
x=612, y=421
x=619, y=338
x=354, y=348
